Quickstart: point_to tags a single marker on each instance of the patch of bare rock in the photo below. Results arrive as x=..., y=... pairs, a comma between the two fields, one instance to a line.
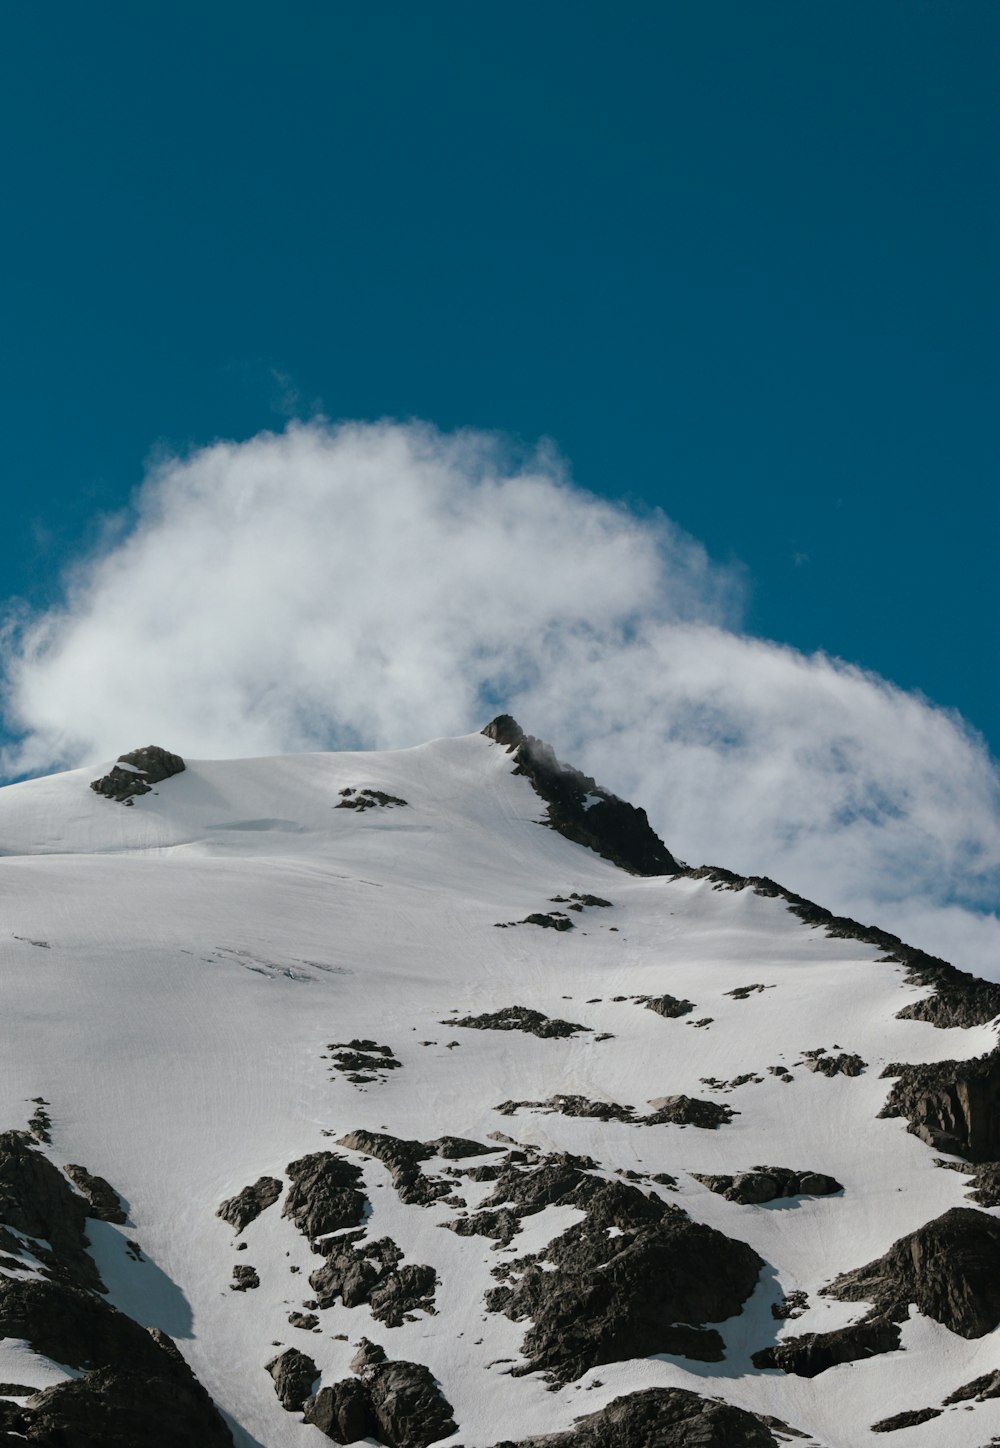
x=580, y=810
x=134, y=1390
x=326, y=1194
x=519, y=1018
x=362, y=799
x=137, y=772
x=846, y=1063
x=395, y=1403
x=362, y=1061
x=587, y=1294
x=950, y=1105
x=949, y=1269
x=769, y=1183
x=667, y=1005
x=677, y=1110
x=247, y=1205
x=666, y=1417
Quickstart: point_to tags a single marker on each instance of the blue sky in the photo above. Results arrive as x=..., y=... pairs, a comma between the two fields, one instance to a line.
x=736, y=262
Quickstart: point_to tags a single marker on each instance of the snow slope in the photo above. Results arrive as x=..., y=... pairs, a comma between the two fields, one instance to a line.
x=173, y=974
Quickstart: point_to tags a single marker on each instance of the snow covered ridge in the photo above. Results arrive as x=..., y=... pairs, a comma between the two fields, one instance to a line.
x=673, y=1158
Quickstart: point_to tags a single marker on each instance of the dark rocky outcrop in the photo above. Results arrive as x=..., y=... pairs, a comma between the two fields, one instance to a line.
x=137, y=772
x=953, y=1106
x=667, y=1110
x=363, y=1061
x=591, y=1303
x=661, y=1418
x=667, y=1005
x=398, y=1404
x=247, y=1205
x=294, y=1375
x=957, y=999
x=581, y=810
x=343, y=1412
x=908, y=1419
x=743, y=992
x=362, y=799
x=245, y=1278
x=403, y=1159
x=36, y=1199
x=847, y=1063
x=104, y=1201
x=519, y=1018
x=116, y=1407
x=576, y=901
x=987, y=1386
x=949, y=1268
x=812, y=1353
x=325, y=1195
x=767, y=1183
x=371, y=1272
x=455, y=1148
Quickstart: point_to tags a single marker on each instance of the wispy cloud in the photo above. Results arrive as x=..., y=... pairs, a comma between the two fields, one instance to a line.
x=377, y=585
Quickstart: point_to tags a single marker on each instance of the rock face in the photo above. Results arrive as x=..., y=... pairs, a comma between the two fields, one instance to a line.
x=667, y=1005
x=136, y=773
x=402, y=1158
x=661, y=1418
x=519, y=1018
x=398, y=1404
x=247, y=1205
x=951, y=1105
x=950, y=1268
x=373, y=1273
x=768, y=1183
x=593, y=1300
x=582, y=811
x=294, y=1375
x=812, y=1353
x=325, y=1194
x=104, y=1202
x=36, y=1199
x=667, y=1110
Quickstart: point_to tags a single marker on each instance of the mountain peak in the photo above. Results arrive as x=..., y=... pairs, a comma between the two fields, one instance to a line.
x=582, y=810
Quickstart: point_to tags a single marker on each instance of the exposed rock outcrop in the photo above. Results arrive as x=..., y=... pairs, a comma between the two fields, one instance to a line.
x=908, y=1419
x=294, y=1375
x=953, y=1106
x=768, y=1183
x=664, y=1417
x=362, y=799
x=587, y=1294
x=104, y=1201
x=137, y=772
x=403, y=1160
x=36, y=1199
x=325, y=1195
x=519, y=1018
x=949, y=1268
x=581, y=810
x=667, y=1110
x=667, y=1005
x=398, y=1404
x=812, y=1353
x=247, y=1205
x=373, y=1273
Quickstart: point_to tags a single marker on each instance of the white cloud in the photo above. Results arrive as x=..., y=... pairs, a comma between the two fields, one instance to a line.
x=380, y=585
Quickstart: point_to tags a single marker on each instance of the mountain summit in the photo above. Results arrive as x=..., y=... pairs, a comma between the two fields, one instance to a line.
x=426, y=1097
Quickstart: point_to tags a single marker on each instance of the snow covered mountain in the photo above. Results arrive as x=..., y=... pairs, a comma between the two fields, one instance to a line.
x=426, y=1097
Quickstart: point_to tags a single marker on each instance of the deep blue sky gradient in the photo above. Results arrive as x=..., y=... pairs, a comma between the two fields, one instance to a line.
x=738, y=260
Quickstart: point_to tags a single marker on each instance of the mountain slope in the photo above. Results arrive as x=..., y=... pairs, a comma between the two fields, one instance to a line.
x=290, y=971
